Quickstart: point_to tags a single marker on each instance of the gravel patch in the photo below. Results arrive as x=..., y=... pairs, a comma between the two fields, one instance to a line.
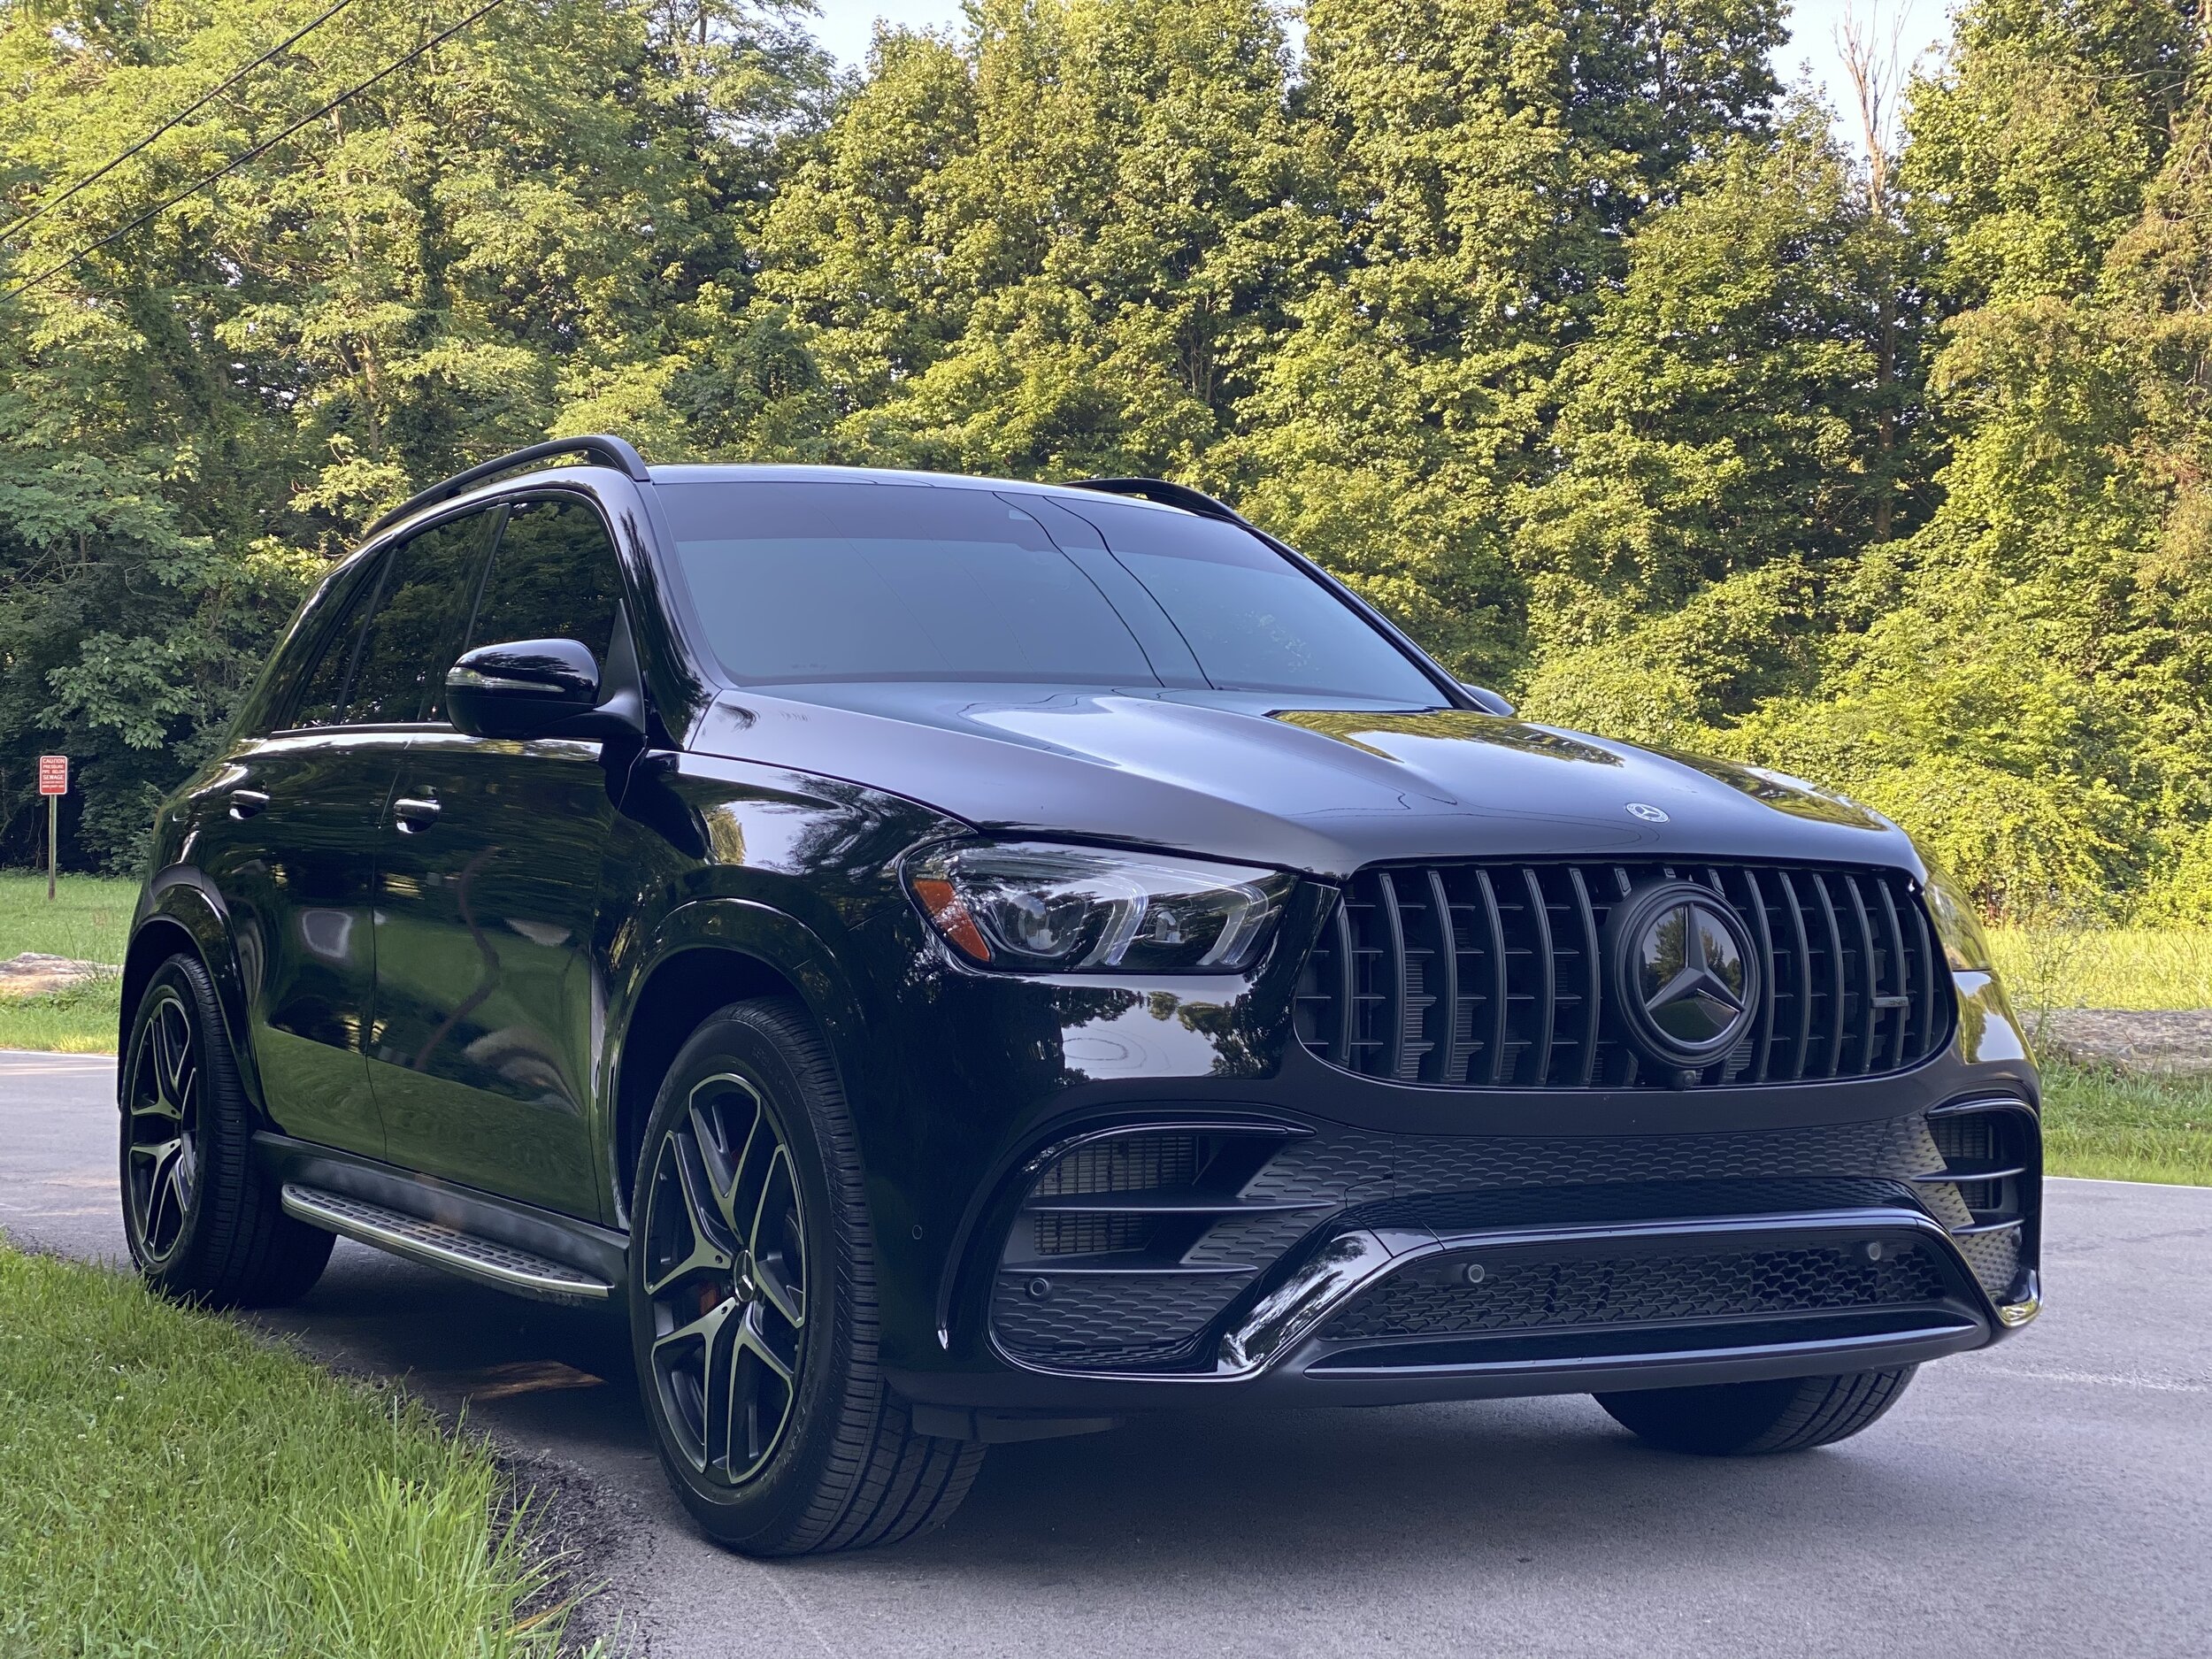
x=2176, y=1042
x=33, y=974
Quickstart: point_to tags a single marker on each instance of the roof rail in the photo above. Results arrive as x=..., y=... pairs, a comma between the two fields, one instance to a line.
x=1167, y=493
x=607, y=452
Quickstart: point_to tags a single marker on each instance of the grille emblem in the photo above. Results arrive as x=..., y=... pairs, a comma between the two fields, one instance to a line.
x=1644, y=811
x=1685, y=974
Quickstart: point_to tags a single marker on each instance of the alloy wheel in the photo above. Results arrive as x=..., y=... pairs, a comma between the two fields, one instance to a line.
x=725, y=1272
x=162, y=1169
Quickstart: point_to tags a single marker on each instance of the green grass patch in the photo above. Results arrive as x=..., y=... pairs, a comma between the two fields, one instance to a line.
x=89, y=917
x=79, y=1020
x=170, y=1486
x=2097, y=1122
x=2104, y=967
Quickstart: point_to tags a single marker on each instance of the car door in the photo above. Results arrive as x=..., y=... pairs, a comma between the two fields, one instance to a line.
x=293, y=846
x=494, y=859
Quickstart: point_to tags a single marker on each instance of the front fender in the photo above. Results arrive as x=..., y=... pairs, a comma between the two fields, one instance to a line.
x=180, y=909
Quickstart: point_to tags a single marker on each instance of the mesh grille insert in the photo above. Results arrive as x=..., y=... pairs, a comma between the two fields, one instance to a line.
x=1131, y=1164
x=1091, y=1235
x=1433, y=1298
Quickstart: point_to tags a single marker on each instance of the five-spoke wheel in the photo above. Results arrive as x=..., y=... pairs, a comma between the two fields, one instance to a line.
x=201, y=1213
x=161, y=1104
x=753, y=1310
x=725, y=1241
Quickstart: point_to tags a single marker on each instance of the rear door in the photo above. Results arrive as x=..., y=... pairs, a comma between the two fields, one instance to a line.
x=494, y=859
x=294, y=848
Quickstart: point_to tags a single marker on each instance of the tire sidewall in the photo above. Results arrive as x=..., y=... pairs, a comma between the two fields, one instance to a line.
x=770, y=1502
x=173, y=1269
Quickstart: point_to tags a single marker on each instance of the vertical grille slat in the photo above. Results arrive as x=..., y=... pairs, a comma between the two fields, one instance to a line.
x=1446, y=1004
x=1592, y=977
x=1801, y=1044
x=1393, y=973
x=1546, y=1018
x=1900, y=970
x=1495, y=1050
x=1869, y=1012
x=1762, y=936
x=1837, y=992
x=1475, y=976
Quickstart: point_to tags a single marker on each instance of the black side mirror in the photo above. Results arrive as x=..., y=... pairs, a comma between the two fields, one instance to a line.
x=527, y=688
x=1486, y=699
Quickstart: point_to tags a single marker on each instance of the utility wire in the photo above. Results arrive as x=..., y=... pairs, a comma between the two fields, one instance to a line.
x=262, y=149
x=190, y=110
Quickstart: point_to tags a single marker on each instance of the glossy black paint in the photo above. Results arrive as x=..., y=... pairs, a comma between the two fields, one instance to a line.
x=462, y=956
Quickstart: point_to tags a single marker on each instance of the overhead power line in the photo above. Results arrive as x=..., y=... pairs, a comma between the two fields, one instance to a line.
x=186, y=114
x=236, y=162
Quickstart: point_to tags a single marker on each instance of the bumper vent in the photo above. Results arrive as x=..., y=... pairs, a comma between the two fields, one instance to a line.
x=1492, y=976
x=1990, y=1187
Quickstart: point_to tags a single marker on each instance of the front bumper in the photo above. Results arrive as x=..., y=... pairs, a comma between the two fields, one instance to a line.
x=1310, y=1266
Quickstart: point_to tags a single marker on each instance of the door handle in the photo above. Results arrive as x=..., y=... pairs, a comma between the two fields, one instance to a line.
x=245, y=803
x=413, y=816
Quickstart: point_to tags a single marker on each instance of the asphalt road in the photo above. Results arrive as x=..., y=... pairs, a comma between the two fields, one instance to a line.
x=2051, y=1498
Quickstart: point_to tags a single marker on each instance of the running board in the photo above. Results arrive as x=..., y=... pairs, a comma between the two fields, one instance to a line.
x=470, y=1256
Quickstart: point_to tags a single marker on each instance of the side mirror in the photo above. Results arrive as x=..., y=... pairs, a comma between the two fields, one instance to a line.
x=1486, y=699
x=527, y=688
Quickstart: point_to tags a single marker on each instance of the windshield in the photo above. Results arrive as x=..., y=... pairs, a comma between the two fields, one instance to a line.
x=854, y=581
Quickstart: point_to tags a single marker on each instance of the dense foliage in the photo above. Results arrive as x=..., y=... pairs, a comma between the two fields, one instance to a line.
x=1553, y=325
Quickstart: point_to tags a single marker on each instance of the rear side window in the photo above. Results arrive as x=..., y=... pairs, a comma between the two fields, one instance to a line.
x=555, y=577
x=414, y=633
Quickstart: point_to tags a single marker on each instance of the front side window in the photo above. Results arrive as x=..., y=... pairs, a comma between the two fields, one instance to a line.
x=799, y=581
x=554, y=576
x=321, y=700
x=414, y=633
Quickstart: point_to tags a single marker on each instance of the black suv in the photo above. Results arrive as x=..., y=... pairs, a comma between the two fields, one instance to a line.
x=963, y=961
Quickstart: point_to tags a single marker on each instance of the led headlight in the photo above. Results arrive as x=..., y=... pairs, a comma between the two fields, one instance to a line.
x=1037, y=908
x=1957, y=929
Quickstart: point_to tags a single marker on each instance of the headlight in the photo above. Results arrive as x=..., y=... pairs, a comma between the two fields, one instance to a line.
x=1041, y=909
x=1957, y=929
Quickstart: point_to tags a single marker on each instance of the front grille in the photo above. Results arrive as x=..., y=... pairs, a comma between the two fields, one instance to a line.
x=1491, y=976
x=1434, y=1297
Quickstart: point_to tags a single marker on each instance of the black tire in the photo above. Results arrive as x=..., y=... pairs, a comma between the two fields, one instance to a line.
x=1791, y=1414
x=813, y=1452
x=203, y=1223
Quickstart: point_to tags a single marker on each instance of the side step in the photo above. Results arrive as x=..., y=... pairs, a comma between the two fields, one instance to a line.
x=485, y=1260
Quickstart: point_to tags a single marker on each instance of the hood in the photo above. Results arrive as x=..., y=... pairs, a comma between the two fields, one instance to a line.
x=1322, y=786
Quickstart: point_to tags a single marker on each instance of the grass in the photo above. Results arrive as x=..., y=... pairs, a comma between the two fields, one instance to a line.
x=2099, y=1122
x=2104, y=967
x=90, y=918
x=170, y=1486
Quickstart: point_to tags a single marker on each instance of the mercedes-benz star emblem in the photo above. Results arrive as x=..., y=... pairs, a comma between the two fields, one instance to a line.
x=1685, y=974
x=1644, y=811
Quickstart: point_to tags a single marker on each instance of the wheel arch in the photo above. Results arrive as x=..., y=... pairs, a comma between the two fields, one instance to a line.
x=704, y=957
x=179, y=914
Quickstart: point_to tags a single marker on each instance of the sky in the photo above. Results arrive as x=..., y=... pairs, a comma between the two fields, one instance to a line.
x=846, y=25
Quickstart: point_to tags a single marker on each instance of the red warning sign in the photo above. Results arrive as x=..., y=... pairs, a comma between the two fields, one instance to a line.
x=53, y=774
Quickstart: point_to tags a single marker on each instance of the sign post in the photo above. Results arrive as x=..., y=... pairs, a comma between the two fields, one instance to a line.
x=53, y=783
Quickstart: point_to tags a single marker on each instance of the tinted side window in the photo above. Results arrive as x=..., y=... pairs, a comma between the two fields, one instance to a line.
x=415, y=633
x=554, y=578
x=322, y=694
